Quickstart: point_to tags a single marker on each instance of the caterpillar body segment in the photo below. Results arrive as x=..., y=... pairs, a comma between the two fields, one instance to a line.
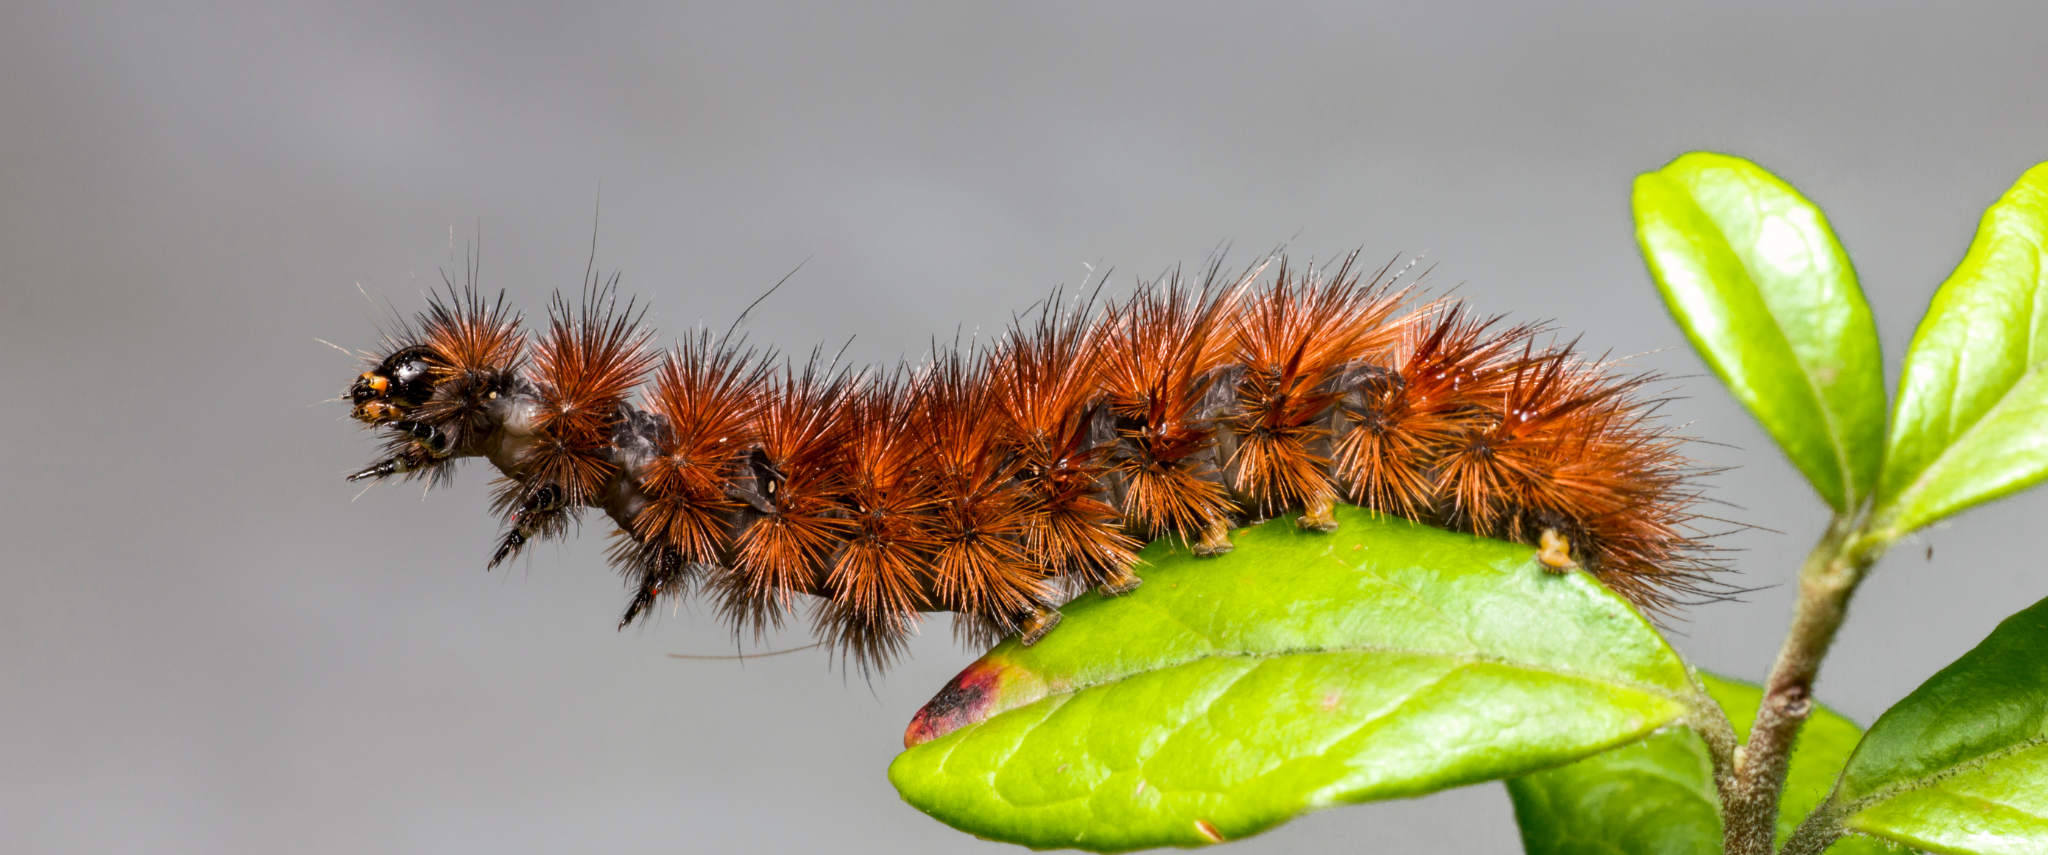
x=996, y=483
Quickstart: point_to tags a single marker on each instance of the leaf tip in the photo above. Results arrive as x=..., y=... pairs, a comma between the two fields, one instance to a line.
x=1695, y=162
x=969, y=697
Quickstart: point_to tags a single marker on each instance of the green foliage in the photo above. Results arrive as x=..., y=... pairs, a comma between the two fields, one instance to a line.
x=1391, y=659
x=1999, y=808
x=1657, y=797
x=1753, y=273
x=1972, y=417
x=1961, y=765
x=1305, y=670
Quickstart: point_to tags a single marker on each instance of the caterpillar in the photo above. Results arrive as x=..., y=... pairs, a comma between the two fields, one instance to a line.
x=997, y=481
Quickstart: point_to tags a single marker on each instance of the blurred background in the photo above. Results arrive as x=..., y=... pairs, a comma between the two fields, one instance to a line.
x=210, y=643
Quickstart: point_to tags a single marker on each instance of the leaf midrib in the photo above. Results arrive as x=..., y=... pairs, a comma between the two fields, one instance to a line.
x=1899, y=503
x=1837, y=442
x=1886, y=794
x=1463, y=663
x=1956, y=366
x=1463, y=659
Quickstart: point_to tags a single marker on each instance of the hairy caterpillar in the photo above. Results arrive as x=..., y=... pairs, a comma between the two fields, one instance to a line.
x=995, y=482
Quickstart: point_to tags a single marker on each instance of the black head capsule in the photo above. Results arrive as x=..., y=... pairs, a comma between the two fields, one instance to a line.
x=398, y=385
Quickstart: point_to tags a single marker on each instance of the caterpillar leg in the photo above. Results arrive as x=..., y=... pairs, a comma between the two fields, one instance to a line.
x=396, y=465
x=539, y=513
x=1320, y=515
x=1555, y=552
x=431, y=440
x=1040, y=621
x=642, y=601
x=1215, y=538
x=1121, y=581
x=665, y=572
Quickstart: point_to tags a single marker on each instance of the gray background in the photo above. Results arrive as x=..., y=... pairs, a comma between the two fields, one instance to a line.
x=208, y=643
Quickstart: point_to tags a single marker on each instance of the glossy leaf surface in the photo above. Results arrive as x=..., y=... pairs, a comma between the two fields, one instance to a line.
x=1961, y=765
x=1304, y=670
x=1972, y=419
x=1754, y=275
x=1656, y=797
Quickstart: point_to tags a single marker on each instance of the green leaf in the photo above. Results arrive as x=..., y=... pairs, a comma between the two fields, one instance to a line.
x=1972, y=418
x=1753, y=273
x=1227, y=695
x=1656, y=797
x=1961, y=765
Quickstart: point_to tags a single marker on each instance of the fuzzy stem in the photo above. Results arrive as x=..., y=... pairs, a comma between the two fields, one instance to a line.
x=1817, y=833
x=1711, y=723
x=1826, y=582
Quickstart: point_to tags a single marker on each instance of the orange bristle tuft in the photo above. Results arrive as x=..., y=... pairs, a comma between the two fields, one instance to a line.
x=471, y=336
x=708, y=396
x=1044, y=380
x=1159, y=358
x=1294, y=340
x=981, y=511
x=1403, y=418
x=792, y=482
x=584, y=369
x=477, y=348
x=875, y=580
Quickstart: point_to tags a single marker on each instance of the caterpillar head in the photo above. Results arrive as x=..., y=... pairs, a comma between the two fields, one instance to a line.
x=396, y=387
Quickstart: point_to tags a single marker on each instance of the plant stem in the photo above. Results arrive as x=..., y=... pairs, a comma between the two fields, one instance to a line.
x=1826, y=582
x=1711, y=723
x=1818, y=832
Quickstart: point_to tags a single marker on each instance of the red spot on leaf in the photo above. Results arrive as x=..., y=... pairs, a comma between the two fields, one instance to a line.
x=964, y=700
